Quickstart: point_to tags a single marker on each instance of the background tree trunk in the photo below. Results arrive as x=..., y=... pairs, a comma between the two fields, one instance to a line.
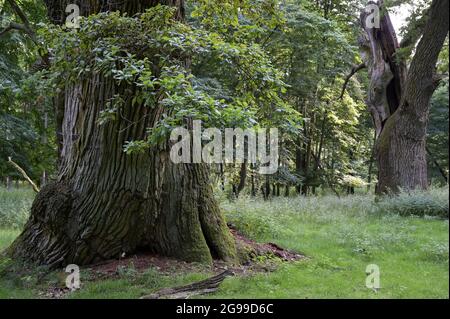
x=106, y=203
x=242, y=178
x=399, y=99
x=371, y=164
x=8, y=183
x=438, y=166
x=253, y=186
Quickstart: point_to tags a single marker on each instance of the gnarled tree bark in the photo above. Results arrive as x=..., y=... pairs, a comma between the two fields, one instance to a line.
x=399, y=99
x=106, y=203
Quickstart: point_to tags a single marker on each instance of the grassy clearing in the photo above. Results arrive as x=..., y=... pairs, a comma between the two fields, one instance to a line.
x=342, y=237
x=339, y=236
x=14, y=207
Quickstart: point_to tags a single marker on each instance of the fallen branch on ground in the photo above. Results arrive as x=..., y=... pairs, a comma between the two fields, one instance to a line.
x=206, y=286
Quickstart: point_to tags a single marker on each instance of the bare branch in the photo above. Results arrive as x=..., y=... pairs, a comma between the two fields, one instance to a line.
x=24, y=174
x=25, y=27
x=355, y=70
x=6, y=30
x=20, y=13
x=13, y=26
x=26, y=24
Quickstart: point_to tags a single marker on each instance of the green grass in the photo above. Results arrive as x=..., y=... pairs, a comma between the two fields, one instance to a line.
x=14, y=207
x=340, y=237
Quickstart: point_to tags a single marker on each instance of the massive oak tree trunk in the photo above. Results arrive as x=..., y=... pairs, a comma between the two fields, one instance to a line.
x=399, y=98
x=106, y=203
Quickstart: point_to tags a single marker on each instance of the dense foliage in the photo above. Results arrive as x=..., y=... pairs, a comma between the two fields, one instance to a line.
x=231, y=64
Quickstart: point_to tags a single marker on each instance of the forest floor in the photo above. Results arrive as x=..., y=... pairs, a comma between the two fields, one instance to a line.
x=339, y=237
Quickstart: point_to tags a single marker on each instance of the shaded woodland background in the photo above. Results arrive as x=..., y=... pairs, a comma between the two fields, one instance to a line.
x=328, y=146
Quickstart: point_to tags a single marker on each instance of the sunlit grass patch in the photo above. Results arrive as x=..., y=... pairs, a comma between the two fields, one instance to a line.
x=340, y=238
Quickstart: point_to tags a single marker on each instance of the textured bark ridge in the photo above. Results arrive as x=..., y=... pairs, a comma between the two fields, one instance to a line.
x=106, y=203
x=399, y=99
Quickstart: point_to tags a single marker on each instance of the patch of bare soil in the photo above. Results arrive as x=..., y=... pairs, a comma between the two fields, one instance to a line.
x=143, y=261
x=268, y=249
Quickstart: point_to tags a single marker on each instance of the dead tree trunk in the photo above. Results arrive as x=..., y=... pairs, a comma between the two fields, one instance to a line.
x=106, y=203
x=399, y=98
